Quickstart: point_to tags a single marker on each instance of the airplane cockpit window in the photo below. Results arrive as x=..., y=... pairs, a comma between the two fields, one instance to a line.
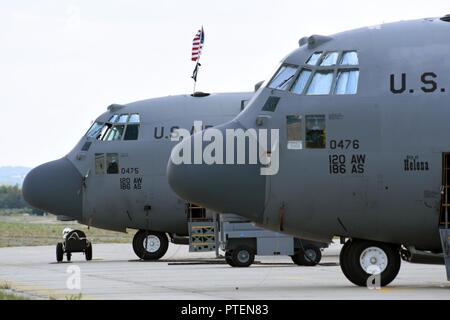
x=132, y=132
x=134, y=118
x=329, y=59
x=315, y=132
x=119, y=127
x=321, y=83
x=350, y=58
x=301, y=81
x=283, y=77
x=347, y=82
x=100, y=163
x=112, y=163
x=114, y=118
x=106, y=163
x=94, y=130
x=115, y=133
x=312, y=61
x=123, y=118
x=325, y=73
x=294, y=132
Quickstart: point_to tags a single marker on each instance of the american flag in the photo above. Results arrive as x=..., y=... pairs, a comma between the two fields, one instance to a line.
x=197, y=45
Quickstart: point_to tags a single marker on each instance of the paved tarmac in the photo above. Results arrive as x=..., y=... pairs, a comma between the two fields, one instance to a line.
x=116, y=273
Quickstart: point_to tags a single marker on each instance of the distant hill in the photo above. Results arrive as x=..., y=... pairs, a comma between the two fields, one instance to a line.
x=13, y=175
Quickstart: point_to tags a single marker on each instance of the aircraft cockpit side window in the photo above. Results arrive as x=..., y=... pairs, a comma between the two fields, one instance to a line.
x=132, y=132
x=106, y=163
x=283, y=77
x=315, y=132
x=112, y=163
x=294, y=132
x=100, y=167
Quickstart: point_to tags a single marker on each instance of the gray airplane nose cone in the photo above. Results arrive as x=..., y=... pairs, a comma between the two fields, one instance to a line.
x=227, y=188
x=55, y=187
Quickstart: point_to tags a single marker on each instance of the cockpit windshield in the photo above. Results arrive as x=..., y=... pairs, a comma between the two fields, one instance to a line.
x=283, y=77
x=119, y=127
x=114, y=133
x=95, y=130
x=324, y=73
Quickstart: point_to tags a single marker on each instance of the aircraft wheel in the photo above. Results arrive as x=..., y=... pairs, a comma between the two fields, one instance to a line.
x=88, y=252
x=229, y=259
x=309, y=256
x=68, y=256
x=361, y=259
x=242, y=257
x=149, y=245
x=59, y=252
x=344, y=262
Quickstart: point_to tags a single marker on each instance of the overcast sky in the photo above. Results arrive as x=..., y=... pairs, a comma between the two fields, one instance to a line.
x=62, y=62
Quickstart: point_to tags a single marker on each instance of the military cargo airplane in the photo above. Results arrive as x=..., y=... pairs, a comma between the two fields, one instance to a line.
x=363, y=150
x=115, y=179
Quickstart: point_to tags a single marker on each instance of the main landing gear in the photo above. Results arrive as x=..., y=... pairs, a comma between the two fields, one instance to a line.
x=361, y=259
x=150, y=245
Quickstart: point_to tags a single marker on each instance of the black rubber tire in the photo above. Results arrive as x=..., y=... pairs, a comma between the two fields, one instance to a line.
x=301, y=259
x=142, y=253
x=59, y=252
x=229, y=259
x=68, y=256
x=239, y=253
x=88, y=252
x=344, y=262
x=351, y=267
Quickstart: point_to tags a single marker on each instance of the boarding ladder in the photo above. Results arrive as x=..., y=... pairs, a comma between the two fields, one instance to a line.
x=202, y=229
x=444, y=217
x=445, y=240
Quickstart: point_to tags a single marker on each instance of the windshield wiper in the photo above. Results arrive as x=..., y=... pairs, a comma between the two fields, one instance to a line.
x=285, y=81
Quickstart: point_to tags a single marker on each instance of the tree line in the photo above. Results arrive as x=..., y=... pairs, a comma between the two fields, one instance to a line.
x=11, y=198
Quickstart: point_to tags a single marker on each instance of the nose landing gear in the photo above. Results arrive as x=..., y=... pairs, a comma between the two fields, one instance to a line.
x=361, y=259
x=150, y=245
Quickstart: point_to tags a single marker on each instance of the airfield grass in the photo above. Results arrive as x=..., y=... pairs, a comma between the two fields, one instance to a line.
x=10, y=296
x=21, y=229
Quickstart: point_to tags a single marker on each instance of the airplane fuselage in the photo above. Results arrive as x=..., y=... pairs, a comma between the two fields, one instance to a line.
x=135, y=194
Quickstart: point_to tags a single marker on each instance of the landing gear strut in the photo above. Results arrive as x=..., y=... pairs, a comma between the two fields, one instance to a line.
x=360, y=259
x=150, y=245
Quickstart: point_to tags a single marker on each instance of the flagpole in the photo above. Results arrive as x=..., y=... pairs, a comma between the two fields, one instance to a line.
x=195, y=79
x=197, y=68
x=198, y=65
